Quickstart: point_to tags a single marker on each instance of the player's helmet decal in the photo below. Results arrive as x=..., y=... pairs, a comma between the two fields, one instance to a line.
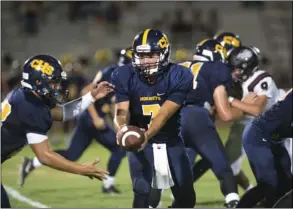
x=44, y=75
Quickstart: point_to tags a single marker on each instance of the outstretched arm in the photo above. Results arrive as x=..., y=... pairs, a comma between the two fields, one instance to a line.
x=73, y=108
x=46, y=156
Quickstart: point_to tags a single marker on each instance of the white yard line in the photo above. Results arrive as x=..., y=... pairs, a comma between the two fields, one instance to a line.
x=16, y=195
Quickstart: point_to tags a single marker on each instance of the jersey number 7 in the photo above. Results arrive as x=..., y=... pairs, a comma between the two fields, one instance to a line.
x=150, y=110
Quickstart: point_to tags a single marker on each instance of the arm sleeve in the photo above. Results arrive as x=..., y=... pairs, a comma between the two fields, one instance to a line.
x=73, y=108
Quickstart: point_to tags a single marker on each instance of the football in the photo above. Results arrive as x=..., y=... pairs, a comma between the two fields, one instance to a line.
x=131, y=138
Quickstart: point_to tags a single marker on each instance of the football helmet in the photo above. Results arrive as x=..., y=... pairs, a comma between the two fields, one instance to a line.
x=229, y=40
x=151, y=54
x=210, y=50
x=246, y=59
x=44, y=75
x=125, y=56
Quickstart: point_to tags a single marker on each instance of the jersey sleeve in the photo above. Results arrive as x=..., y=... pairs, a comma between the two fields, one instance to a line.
x=181, y=84
x=222, y=76
x=36, y=121
x=34, y=138
x=120, y=82
x=266, y=87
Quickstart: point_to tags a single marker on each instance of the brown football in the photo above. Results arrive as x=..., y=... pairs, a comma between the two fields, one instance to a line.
x=131, y=138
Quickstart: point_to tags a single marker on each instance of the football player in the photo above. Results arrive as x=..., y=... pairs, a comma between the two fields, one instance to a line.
x=252, y=79
x=268, y=158
x=246, y=59
x=28, y=112
x=212, y=81
x=150, y=93
x=233, y=146
x=91, y=124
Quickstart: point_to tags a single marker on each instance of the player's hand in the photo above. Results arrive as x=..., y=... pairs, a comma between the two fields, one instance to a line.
x=146, y=139
x=92, y=171
x=101, y=89
x=249, y=98
x=99, y=124
x=119, y=134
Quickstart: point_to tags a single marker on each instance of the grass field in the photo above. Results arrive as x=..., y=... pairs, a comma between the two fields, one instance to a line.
x=61, y=190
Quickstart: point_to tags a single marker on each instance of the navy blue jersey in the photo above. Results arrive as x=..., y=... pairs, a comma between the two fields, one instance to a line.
x=145, y=100
x=22, y=113
x=207, y=77
x=102, y=105
x=276, y=122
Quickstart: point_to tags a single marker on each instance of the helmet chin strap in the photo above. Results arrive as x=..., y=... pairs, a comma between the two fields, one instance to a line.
x=25, y=84
x=153, y=70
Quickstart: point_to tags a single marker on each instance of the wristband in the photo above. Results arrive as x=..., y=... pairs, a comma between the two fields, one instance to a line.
x=230, y=99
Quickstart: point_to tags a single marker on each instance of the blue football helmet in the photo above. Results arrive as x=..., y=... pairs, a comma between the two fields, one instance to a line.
x=229, y=40
x=125, y=56
x=44, y=75
x=147, y=45
x=210, y=50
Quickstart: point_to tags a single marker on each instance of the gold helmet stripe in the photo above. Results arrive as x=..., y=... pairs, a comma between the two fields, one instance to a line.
x=145, y=36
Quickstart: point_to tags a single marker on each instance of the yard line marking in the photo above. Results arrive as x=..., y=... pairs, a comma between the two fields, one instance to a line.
x=16, y=195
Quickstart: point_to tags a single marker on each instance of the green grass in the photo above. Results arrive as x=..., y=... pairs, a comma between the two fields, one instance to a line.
x=63, y=190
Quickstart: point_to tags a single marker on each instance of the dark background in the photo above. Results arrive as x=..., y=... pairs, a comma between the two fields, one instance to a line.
x=86, y=35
